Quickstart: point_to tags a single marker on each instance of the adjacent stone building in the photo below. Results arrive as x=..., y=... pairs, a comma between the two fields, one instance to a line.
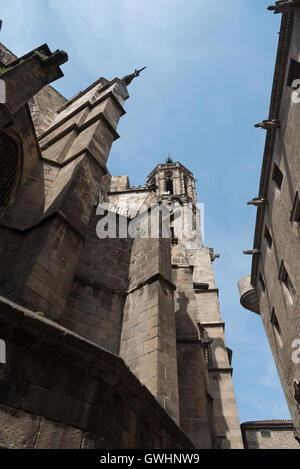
x=273, y=290
x=269, y=434
x=112, y=341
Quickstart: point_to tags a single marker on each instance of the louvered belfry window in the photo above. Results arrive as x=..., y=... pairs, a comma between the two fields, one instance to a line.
x=8, y=168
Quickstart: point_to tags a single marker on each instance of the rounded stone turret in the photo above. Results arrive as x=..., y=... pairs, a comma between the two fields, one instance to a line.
x=248, y=294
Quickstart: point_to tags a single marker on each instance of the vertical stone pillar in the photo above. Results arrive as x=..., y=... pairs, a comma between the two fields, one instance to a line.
x=148, y=341
x=161, y=183
x=195, y=401
x=228, y=431
x=177, y=182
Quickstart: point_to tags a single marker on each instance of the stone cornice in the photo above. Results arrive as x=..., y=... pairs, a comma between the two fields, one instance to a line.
x=173, y=166
x=268, y=425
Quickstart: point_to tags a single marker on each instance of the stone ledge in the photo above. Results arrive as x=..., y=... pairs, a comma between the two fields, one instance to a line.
x=104, y=87
x=79, y=128
x=210, y=290
x=153, y=278
x=125, y=293
x=268, y=424
x=224, y=369
x=86, y=104
x=213, y=324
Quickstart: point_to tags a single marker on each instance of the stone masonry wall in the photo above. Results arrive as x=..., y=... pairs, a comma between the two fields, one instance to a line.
x=269, y=438
x=148, y=342
x=37, y=275
x=228, y=431
x=53, y=212
x=95, y=305
x=193, y=379
x=59, y=391
x=274, y=296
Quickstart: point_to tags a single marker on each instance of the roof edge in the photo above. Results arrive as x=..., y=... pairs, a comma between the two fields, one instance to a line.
x=286, y=29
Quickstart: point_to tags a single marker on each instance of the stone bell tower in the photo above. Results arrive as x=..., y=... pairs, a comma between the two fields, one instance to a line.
x=173, y=179
x=207, y=407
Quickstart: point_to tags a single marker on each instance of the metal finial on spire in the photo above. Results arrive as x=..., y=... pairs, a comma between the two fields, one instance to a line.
x=0, y=24
x=169, y=159
x=127, y=79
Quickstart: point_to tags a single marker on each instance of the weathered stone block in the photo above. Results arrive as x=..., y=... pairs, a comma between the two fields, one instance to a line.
x=53, y=435
x=18, y=429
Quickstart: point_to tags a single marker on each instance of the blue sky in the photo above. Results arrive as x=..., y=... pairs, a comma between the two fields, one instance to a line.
x=208, y=81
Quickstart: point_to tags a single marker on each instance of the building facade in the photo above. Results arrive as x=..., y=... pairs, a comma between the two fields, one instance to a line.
x=269, y=434
x=273, y=289
x=114, y=337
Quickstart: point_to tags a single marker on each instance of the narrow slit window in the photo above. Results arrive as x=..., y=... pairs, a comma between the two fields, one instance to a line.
x=277, y=176
x=185, y=182
x=169, y=186
x=268, y=237
x=287, y=282
x=295, y=214
x=276, y=328
x=266, y=434
x=260, y=277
